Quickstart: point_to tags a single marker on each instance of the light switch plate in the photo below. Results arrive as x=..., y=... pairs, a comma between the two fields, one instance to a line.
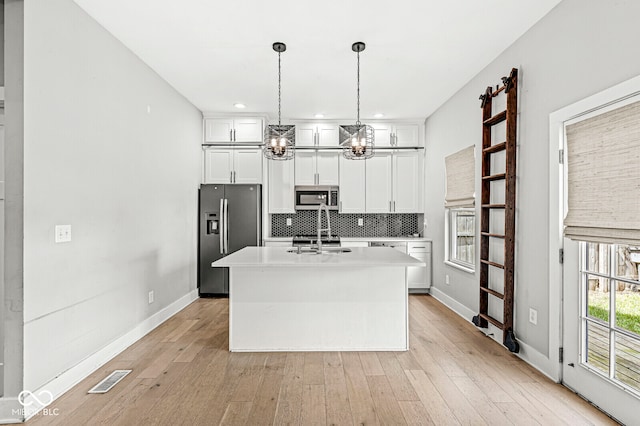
x=288, y=221
x=63, y=233
x=533, y=316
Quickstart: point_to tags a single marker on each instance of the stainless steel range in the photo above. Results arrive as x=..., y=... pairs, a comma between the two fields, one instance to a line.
x=312, y=240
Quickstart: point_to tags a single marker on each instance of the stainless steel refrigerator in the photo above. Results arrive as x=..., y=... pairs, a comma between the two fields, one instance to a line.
x=230, y=218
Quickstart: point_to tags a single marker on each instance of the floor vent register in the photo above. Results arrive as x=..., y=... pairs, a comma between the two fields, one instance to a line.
x=110, y=381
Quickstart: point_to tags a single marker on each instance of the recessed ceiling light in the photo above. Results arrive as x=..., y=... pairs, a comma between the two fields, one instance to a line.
x=319, y=116
x=378, y=115
x=239, y=105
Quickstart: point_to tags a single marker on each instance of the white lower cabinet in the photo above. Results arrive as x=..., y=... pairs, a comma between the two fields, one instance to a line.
x=419, y=277
x=281, y=186
x=232, y=165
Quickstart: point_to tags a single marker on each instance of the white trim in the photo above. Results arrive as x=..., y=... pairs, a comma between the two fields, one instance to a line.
x=458, y=266
x=557, y=119
x=452, y=303
x=7, y=406
x=83, y=369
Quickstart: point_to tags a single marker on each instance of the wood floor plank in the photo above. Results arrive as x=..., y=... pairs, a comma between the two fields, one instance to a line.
x=313, y=368
x=183, y=373
x=236, y=413
x=362, y=406
x=394, y=373
x=313, y=405
x=338, y=410
x=385, y=402
x=415, y=413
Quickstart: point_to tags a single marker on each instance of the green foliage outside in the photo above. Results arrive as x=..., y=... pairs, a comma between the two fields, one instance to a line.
x=627, y=309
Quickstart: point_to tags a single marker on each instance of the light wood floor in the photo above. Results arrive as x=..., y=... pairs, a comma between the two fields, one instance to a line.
x=453, y=374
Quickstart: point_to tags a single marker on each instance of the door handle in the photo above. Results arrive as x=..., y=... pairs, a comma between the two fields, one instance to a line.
x=223, y=225
x=226, y=226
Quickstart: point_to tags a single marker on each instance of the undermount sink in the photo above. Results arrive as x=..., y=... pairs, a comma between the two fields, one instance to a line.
x=314, y=250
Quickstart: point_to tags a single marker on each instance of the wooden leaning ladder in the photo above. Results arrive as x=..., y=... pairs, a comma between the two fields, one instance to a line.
x=510, y=87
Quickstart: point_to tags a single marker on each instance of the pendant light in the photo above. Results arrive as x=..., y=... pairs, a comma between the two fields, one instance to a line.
x=279, y=140
x=357, y=140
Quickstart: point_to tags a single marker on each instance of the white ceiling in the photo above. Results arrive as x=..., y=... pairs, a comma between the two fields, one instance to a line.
x=418, y=54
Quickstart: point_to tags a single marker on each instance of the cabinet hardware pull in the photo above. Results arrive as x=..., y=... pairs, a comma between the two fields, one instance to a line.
x=390, y=206
x=230, y=177
x=231, y=135
x=394, y=206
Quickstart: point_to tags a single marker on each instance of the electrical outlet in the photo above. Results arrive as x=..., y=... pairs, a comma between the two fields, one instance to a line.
x=446, y=279
x=62, y=233
x=360, y=221
x=151, y=297
x=533, y=316
x=288, y=221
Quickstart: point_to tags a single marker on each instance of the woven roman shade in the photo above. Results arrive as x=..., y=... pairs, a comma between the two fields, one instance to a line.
x=603, y=168
x=460, y=171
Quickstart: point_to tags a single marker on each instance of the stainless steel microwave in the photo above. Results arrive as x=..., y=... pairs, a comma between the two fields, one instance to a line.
x=310, y=197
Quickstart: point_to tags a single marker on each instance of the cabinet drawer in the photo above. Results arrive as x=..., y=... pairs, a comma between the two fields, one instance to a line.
x=419, y=247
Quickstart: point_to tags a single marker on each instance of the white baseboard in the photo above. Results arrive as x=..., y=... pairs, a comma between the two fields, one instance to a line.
x=80, y=371
x=536, y=359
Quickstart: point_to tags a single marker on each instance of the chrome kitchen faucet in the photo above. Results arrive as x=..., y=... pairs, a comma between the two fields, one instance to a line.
x=320, y=228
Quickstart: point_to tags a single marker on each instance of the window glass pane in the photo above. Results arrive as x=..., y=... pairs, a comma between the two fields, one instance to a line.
x=597, y=258
x=627, y=368
x=628, y=307
x=598, y=346
x=627, y=260
x=598, y=298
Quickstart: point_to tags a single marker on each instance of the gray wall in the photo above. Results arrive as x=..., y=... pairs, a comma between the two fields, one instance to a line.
x=579, y=49
x=111, y=149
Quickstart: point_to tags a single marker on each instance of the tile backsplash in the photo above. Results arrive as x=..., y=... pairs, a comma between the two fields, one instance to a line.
x=346, y=225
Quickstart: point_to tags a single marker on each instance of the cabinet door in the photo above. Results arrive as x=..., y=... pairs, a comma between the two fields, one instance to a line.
x=419, y=276
x=305, y=168
x=247, y=165
x=218, y=130
x=327, y=167
x=407, y=182
x=305, y=134
x=281, y=183
x=407, y=135
x=352, y=186
x=218, y=165
x=378, y=183
x=382, y=134
x=328, y=134
x=247, y=130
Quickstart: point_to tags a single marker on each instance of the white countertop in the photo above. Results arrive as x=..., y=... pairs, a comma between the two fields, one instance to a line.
x=278, y=257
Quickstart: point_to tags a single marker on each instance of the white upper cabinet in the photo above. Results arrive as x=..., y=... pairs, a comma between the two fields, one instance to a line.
x=378, y=183
x=317, y=167
x=317, y=134
x=407, y=182
x=305, y=167
x=232, y=165
x=229, y=130
x=281, y=187
x=327, y=167
x=400, y=135
x=352, y=185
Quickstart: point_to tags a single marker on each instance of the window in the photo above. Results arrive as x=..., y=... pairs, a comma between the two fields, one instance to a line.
x=461, y=225
x=610, y=312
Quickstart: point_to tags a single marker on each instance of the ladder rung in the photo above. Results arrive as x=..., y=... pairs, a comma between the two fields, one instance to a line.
x=497, y=176
x=487, y=234
x=493, y=206
x=490, y=263
x=491, y=320
x=495, y=148
x=492, y=292
x=499, y=117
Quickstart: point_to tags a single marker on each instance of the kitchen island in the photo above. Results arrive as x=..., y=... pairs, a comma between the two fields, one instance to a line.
x=282, y=301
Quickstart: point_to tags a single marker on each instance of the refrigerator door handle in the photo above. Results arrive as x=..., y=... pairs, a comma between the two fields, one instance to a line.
x=223, y=226
x=226, y=226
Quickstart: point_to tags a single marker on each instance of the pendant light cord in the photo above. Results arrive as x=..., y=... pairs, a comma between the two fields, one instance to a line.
x=279, y=90
x=358, y=118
